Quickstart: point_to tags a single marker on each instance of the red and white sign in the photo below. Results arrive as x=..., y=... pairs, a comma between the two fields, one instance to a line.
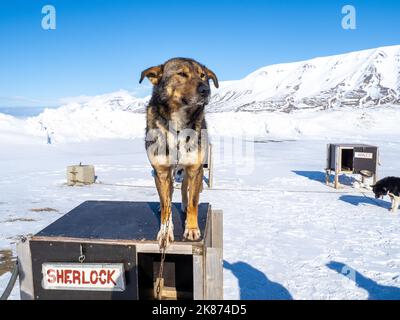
x=83, y=276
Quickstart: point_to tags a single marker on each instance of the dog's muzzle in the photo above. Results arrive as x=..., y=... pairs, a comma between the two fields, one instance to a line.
x=203, y=90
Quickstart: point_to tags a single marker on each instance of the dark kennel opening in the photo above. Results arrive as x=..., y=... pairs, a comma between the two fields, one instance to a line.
x=178, y=276
x=347, y=157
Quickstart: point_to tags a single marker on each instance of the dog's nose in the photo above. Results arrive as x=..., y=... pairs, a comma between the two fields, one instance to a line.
x=204, y=90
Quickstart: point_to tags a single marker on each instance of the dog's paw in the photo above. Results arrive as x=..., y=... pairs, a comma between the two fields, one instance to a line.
x=165, y=235
x=192, y=234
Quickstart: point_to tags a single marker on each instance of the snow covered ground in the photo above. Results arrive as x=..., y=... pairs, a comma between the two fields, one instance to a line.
x=85, y=123
x=286, y=234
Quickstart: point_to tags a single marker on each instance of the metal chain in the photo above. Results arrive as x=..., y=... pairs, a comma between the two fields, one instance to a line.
x=81, y=257
x=163, y=249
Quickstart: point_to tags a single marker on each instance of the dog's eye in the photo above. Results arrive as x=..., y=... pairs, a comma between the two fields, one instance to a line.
x=183, y=74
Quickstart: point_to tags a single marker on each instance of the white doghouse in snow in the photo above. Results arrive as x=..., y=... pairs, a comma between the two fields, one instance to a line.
x=347, y=158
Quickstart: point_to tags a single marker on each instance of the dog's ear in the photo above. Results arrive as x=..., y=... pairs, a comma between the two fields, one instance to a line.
x=211, y=75
x=154, y=74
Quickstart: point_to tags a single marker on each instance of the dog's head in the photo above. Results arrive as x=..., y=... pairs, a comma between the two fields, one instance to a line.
x=380, y=190
x=181, y=81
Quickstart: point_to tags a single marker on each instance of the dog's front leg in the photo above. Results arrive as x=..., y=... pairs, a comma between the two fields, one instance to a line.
x=184, y=192
x=163, y=179
x=194, y=182
x=391, y=202
x=395, y=203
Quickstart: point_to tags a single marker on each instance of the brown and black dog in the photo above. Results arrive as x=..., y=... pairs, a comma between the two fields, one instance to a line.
x=176, y=135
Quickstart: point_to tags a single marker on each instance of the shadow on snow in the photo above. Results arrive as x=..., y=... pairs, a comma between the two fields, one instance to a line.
x=374, y=289
x=254, y=284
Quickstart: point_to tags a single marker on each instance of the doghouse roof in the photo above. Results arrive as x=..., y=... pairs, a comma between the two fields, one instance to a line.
x=119, y=220
x=352, y=145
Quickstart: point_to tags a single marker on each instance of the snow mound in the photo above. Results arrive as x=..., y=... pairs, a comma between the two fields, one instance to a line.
x=84, y=124
x=106, y=116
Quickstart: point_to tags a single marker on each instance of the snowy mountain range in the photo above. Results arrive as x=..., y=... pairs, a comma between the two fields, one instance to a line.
x=360, y=90
x=357, y=79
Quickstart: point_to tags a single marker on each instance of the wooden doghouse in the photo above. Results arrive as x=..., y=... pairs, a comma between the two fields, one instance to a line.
x=80, y=175
x=351, y=159
x=108, y=250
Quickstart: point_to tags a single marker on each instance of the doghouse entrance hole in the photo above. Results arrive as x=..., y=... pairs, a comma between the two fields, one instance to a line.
x=178, y=276
x=347, y=159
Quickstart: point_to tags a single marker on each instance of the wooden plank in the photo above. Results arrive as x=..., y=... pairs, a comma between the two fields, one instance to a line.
x=338, y=168
x=198, y=277
x=149, y=247
x=328, y=157
x=327, y=176
x=214, y=274
x=328, y=167
x=169, y=293
x=25, y=270
x=217, y=229
x=173, y=248
x=208, y=236
x=210, y=168
x=347, y=171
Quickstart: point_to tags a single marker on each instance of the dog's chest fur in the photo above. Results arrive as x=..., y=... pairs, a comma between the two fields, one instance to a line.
x=178, y=120
x=170, y=130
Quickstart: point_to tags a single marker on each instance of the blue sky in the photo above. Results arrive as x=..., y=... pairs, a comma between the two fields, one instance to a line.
x=102, y=46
